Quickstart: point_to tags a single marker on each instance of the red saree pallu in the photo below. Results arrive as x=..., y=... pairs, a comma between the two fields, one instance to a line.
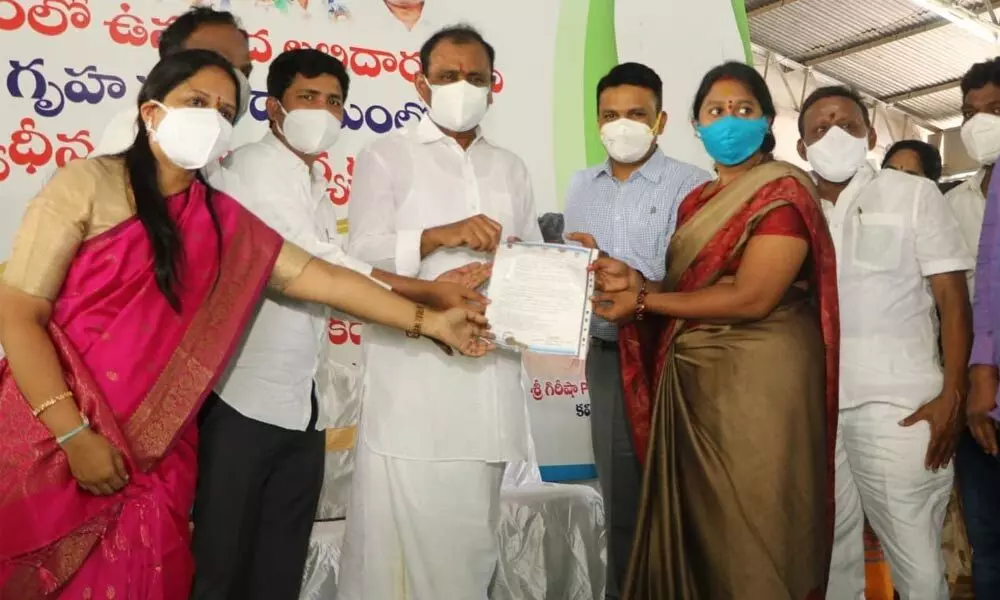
x=139, y=371
x=736, y=422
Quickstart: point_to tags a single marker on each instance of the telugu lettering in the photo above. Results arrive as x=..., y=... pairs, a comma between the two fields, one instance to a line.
x=556, y=388
x=376, y=117
x=31, y=149
x=371, y=62
x=129, y=30
x=47, y=17
x=86, y=86
x=343, y=332
x=339, y=188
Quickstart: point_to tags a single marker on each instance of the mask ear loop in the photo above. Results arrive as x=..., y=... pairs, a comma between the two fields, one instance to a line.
x=149, y=122
x=284, y=111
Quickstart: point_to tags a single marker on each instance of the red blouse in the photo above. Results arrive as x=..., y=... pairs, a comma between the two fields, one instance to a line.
x=784, y=221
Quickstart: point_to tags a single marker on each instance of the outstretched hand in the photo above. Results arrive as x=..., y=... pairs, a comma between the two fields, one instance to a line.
x=457, y=288
x=464, y=330
x=471, y=275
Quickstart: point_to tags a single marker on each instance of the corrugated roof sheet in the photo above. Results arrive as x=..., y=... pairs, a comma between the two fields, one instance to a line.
x=807, y=29
x=942, y=109
x=912, y=63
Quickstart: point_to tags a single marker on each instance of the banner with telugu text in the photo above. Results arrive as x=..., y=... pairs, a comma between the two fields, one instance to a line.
x=69, y=66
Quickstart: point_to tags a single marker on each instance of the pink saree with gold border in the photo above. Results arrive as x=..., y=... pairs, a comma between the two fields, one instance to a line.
x=140, y=371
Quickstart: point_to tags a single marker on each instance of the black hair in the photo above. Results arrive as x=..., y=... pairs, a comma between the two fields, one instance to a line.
x=141, y=167
x=175, y=36
x=929, y=156
x=981, y=75
x=749, y=77
x=305, y=62
x=632, y=73
x=833, y=91
x=456, y=34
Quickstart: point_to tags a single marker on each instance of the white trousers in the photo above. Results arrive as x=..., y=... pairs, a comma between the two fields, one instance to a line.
x=881, y=474
x=420, y=530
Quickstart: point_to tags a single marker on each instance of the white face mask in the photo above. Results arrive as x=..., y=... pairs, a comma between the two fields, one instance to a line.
x=310, y=131
x=627, y=141
x=838, y=155
x=458, y=106
x=245, y=93
x=981, y=137
x=191, y=137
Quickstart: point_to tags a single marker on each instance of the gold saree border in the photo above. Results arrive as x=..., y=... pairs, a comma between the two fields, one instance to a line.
x=154, y=426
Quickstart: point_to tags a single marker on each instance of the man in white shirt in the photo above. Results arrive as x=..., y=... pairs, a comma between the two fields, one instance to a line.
x=200, y=28
x=981, y=137
x=261, y=449
x=435, y=434
x=900, y=254
x=978, y=472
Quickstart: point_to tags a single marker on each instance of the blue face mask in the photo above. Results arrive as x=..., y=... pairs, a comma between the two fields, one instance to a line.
x=732, y=140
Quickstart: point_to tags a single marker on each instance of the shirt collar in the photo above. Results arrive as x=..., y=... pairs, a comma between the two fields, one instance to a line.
x=290, y=159
x=427, y=132
x=652, y=170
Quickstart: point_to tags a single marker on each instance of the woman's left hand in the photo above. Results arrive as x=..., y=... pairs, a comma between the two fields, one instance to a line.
x=617, y=307
x=464, y=330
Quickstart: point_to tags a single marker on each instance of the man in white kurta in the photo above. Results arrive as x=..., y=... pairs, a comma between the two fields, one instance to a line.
x=435, y=431
x=900, y=258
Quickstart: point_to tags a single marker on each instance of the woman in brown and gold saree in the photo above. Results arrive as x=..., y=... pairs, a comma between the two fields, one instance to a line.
x=730, y=372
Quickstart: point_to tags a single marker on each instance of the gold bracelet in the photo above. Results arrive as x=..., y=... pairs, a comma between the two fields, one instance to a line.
x=50, y=403
x=418, y=323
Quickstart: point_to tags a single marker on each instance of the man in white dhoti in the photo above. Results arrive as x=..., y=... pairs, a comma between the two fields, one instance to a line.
x=435, y=431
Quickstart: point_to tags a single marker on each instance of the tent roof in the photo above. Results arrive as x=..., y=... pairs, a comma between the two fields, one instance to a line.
x=894, y=51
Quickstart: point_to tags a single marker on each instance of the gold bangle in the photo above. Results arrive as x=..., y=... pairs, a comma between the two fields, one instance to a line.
x=418, y=323
x=50, y=403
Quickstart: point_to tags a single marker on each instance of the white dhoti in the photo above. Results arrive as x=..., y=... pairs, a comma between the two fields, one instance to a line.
x=420, y=529
x=880, y=473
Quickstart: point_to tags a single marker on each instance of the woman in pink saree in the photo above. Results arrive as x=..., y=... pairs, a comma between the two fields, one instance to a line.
x=129, y=285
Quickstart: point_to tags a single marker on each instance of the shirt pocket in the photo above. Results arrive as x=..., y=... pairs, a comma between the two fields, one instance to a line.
x=878, y=241
x=648, y=234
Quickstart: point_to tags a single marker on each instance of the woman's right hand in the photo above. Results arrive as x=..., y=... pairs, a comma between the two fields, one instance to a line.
x=95, y=464
x=612, y=276
x=464, y=330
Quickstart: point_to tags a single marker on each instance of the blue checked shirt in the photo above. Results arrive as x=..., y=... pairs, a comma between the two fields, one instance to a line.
x=631, y=220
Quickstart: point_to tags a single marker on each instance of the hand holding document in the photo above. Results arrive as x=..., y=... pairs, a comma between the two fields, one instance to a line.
x=540, y=298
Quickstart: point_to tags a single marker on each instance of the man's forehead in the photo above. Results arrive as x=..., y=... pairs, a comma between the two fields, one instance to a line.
x=626, y=96
x=833, y=105
x=988, y=94
x=465, y=57
x=225, y=39
x=323, y=83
